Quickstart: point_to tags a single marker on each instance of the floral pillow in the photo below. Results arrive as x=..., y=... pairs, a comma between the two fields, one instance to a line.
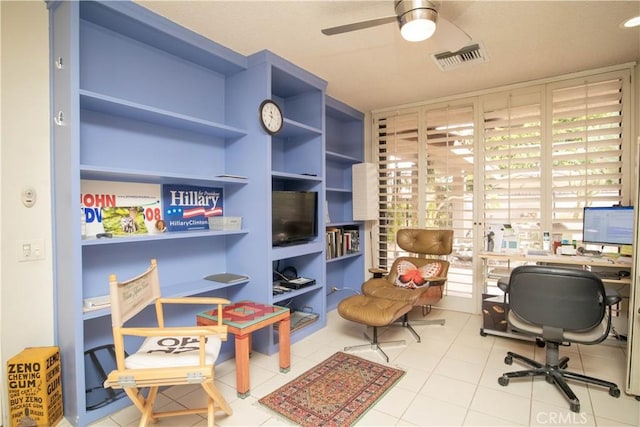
x=412, y=277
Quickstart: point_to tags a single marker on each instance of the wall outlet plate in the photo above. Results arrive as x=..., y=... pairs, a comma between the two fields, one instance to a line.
x=30, y=250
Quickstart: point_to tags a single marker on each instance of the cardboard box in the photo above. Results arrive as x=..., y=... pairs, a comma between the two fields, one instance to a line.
x=494, y=313
x=34, y=383
x=219, y=223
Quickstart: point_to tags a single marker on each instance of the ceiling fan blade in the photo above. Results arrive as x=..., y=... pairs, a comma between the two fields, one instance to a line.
x=359, y=25
x=449, y=36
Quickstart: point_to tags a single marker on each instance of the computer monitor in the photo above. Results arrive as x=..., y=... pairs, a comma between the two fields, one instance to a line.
x=608, y=225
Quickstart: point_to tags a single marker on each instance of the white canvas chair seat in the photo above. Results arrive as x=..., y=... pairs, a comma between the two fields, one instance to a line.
x=166, y=351
x=168, y=356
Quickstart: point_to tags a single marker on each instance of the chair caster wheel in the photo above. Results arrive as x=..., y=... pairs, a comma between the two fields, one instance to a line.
x=503, y=381
x=482, y=333
x=540, y=343
x=614, y=391
x=508, y=360
x=574, y=407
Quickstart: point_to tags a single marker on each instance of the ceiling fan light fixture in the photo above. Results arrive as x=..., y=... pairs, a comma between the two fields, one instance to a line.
x=417, y=29
x=417, y=19
x=631, y=22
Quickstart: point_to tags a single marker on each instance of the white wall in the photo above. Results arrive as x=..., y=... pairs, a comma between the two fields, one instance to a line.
x=26, y=288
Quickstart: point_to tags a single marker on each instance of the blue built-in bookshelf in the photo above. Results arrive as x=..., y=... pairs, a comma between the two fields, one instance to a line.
x=140, y=99
x=344, y=134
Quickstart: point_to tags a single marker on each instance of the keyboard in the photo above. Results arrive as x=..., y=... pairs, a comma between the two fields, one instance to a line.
x=611, y=275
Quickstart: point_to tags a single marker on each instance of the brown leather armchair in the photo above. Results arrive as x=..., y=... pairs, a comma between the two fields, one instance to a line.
x=418, y=279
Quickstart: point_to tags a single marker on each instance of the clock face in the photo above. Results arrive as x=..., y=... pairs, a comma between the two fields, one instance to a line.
x=270, y=117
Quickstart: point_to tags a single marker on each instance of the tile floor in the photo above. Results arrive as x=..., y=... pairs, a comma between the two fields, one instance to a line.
x=451, y=380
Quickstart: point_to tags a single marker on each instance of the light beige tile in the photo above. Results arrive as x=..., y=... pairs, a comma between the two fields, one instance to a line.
x=394, y=402
x=509, y=406
x=550, y=393
x=425, y=411
x=375, y=418
x=520, y=386
x=546, y=414
x=448, y=389
x=465, y=371
x=423, y=356
x=466, y=353
x=451, y=378
x=479, y=419
x=625, y=409
x=246, y=412
x=413, y=379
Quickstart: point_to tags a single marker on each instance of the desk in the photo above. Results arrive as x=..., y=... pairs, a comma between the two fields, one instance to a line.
x=242, y=319
x=593, y=263
x=498, y=264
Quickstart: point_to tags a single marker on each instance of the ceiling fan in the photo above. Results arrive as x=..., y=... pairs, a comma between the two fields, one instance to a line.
x=417, y=20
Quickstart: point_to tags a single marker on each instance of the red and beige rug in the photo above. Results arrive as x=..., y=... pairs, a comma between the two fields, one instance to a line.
x=337, y=392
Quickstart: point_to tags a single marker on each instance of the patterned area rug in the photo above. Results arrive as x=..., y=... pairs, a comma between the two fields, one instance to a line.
x=337, y=392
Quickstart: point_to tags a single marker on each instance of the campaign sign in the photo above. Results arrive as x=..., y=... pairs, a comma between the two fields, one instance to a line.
x=187, y=207
x=120, y=208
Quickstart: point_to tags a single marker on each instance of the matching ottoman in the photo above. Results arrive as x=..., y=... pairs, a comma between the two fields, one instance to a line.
x=374, y=312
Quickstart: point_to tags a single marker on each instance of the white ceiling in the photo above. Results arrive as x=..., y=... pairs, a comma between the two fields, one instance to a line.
x=375, y=68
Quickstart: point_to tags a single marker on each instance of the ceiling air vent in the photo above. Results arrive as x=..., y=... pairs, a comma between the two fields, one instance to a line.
x=468, y=55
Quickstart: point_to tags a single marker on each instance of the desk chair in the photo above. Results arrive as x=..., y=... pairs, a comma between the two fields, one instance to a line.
x=418, y=279
x=559, y=306
x=169, y=355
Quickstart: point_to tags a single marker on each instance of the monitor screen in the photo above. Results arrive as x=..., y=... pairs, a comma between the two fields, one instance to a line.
x=294, y=216
x=608, y=225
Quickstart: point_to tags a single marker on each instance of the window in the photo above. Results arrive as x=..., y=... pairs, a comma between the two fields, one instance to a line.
x=449, y=186
x=441, y=196
x=512, y=174
x=398, y=155
x=531, y=157
x=588, y=150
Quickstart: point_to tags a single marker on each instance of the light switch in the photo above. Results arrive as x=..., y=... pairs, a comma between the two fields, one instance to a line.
x=30, y=250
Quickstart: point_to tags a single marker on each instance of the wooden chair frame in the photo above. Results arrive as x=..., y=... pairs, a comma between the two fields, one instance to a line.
x=128, y=299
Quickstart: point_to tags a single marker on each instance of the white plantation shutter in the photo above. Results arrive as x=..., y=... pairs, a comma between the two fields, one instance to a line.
x=531, y=157
x=398, y=157
x=587, y=150
x=512, y=147
x=426, y=180
x=448, y=189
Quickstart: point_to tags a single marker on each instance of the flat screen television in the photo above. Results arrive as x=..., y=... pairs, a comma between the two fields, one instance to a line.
x=608, y=225
x=294, y=217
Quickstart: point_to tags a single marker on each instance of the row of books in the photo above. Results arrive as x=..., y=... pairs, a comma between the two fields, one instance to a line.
x=342, y=241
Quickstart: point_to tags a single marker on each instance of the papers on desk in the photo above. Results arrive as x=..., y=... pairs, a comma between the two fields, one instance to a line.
x=537, y=252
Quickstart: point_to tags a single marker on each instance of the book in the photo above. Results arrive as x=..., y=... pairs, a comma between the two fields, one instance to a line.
x=227, y=277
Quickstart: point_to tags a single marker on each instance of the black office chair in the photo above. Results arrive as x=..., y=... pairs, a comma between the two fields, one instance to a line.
x=559, y=306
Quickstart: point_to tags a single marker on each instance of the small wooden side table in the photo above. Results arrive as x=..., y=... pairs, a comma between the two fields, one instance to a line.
x=242, y=319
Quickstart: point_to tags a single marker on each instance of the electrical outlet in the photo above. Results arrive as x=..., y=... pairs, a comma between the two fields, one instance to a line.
x=30, y=250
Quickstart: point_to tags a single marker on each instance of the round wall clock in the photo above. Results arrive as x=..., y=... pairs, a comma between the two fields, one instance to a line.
x=270, y=117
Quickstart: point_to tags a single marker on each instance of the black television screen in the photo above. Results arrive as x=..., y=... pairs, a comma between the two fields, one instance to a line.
x=294, y=217
x=608, y=225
